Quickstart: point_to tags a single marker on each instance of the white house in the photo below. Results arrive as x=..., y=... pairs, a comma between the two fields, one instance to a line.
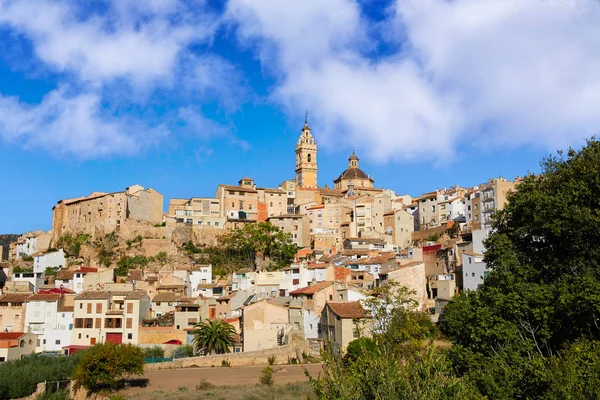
x=200, y=274
x=474, y=270
x=49, y=320
x=55, y=259
x=36, y=279
x=73, y=279
x=294, y=277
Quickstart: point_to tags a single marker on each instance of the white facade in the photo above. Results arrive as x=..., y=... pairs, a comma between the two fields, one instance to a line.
x=49, y=260
x=52, y=327
x=27, y=247
x=35, y=279
x=202, y=274
x=311, y=324
x=294, y=277
x=474, y=270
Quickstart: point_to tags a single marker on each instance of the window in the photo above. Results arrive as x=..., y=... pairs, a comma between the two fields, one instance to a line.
x=473, y=274
x=57, y=342
x=89, y=308
x=99, y=308
x=88, y=323
x=79, y=323
x=98, y=323
x=129, y=323
x=129, y=308
x=130, y=336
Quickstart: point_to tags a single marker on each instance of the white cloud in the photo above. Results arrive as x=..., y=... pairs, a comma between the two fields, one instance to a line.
x=115, y=56
x=74, y=126
x=481, y=72
x=122, y=42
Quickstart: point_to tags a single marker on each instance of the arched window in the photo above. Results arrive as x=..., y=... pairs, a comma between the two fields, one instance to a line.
x=309, y=158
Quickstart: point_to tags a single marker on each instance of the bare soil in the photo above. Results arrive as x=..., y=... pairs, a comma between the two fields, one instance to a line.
x=192, y=382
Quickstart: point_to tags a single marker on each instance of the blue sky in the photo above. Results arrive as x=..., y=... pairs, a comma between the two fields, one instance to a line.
x=183, y=95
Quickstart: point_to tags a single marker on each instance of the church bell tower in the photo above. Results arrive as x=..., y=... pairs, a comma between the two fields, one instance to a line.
x=306, y=158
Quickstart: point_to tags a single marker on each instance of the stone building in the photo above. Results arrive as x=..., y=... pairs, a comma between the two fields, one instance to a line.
x=296, y=225
x=239, y=202
x=101, y=213
x=197, y=211
x=353, y=177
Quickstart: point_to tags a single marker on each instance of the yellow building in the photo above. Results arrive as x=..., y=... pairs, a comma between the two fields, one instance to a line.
x=306, y=159
x=198, y=211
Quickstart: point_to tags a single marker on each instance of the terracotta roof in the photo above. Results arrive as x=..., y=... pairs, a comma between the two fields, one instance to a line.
x=11, y=335
x=315, y=207
x=401, y=266
x=206, y=285
x=14, y=297
x=65, y=275
x=102, y=295
x=197, y=267
x=238, y=189
x=43, y=297
x=367, y=240
x=151, y=279
x=355, y=252
x=318, y=265
x=348, y=309
x=169, y=296
x=136, y=274
x=312, y=289
x=270, y=190
x=328, y=257
x=160, y=287
x=352, y=173
x=85, y=270
x=65, y=309
x=330, y=192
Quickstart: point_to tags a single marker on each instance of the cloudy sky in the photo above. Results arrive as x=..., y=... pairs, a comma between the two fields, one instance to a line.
x=183, y=95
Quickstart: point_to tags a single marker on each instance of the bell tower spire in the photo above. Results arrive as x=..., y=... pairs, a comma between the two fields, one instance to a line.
x=306, y=158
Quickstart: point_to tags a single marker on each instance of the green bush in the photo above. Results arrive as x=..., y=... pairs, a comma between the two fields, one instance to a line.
x=187, y=350
x=266, y=376
x=225, y=363
x=154, y=352
x=19, y=378
x=271, y=360
x=104, y=365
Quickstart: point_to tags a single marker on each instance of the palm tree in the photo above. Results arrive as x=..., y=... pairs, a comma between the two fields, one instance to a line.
x=213, y=337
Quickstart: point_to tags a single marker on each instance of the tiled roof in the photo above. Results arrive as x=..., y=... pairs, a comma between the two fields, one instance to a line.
x=312, y=289
x=14, y=297
x=318, y=265
x=238, y=189
x=168, y=296
x=167, y=287
x=56, y=290
x=65, y=275
x=330, y=192
x=10, y=335
x=85, y=270
x=136, y=274
x=401, y=266
x=243, y=271
x=43, y=297
x=352, y=173
x=65, y=309
x=348, y=309
x=284, y=216
x=367, y=240
x=102, y=295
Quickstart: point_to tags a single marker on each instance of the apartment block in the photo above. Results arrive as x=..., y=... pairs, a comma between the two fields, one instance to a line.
x=197, y=211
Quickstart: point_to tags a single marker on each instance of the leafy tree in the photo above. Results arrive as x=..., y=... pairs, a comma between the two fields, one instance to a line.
x=154, y=352
x=107, y=246
x=51, y=271
x=213, y=337
x=516, y=335
x=104, y=365
x=259, y=245
x=126, y=263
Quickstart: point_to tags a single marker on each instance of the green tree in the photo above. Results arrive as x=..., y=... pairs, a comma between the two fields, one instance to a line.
x=104, y=365
x=543, y=292
x=213, y=337
x=71, y=244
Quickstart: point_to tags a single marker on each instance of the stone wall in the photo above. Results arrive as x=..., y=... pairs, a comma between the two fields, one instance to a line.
x=159, y=334
x=282, y=355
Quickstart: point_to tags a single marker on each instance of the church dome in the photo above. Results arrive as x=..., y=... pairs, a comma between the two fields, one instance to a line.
x=353, y=171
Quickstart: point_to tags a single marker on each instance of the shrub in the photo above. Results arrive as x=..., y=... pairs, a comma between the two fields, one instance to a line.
x=154, y=352
x=266, y=376
x=204, y=384
x=271, y=359
x=225, y=363
x=187, y=350
x=103, y=365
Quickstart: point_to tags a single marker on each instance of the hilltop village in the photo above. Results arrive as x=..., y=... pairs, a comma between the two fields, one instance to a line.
x=116, y=268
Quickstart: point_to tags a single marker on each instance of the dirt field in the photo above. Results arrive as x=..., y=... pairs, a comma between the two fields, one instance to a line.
x=187, y=379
